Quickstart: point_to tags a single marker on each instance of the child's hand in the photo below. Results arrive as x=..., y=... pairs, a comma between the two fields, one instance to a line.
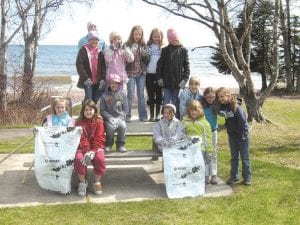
x=88, y=82
x=230, y=114
x=109, y=51
x=35, y=131
x=134, y=47
x=87, y=158
x=245, y=135
x=144, y=51
x=226, y=114
x=114, y=123
x=115, y=46
x=171, y=142
x=222, y=113
x=182, y=84
x=102, y=85
x=208, y=157
x=126, y=49
x=160, y=82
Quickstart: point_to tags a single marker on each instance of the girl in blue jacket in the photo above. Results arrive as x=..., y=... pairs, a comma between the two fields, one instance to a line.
x=210, y=112
x=238, y=135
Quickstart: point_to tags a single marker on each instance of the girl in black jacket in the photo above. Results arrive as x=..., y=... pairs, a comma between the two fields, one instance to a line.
x=173, y=69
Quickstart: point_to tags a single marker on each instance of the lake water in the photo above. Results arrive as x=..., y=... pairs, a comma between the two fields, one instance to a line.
x=59, y=60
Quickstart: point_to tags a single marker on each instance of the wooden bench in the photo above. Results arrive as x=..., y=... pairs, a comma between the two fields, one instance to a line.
x=154, y=153
x=135, y=128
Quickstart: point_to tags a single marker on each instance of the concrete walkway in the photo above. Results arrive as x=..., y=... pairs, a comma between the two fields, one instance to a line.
x=126, y=179
x=135, y=126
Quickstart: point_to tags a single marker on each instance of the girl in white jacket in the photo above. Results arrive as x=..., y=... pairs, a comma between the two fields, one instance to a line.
x=169, y=129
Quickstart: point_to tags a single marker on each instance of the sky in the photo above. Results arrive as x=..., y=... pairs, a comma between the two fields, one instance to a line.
x=121, y=16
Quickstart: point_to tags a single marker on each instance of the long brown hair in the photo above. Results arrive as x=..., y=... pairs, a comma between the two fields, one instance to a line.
x=156, y=30
x=90, y=103
x=214, y=105
x=130, y=40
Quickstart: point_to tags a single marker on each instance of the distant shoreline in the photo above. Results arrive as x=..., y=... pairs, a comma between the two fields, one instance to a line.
x=61, y=84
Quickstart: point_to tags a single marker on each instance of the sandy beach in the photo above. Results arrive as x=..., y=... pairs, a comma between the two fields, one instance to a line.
x=68, y=87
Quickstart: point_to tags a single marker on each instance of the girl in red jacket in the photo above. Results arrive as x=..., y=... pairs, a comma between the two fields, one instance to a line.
x=90, y=148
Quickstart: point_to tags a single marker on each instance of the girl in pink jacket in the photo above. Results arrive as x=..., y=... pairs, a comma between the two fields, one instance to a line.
x=116, y=56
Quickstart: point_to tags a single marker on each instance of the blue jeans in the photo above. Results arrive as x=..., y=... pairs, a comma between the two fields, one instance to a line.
x=171, y=96
x=139, y=82
x=239, y=149
x=110, y=130
x=92, y=92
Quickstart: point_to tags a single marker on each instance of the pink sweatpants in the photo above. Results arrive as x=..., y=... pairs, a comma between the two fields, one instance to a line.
x=98, y=162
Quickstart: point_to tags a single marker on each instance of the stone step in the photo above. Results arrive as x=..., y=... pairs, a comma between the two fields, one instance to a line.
x=132, y=154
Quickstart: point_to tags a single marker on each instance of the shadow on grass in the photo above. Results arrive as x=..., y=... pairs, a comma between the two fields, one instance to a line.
x=285, y=148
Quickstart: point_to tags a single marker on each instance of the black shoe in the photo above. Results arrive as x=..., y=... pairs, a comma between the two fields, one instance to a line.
x=157, y=118
x=231, y=181
x=207, y=179
x=213, y=180
x=151, y=119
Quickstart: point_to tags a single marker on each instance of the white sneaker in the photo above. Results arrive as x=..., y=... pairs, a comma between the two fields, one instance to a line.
x=122, y=149
x=107, y=149
x=82, y=189
x=98, y=188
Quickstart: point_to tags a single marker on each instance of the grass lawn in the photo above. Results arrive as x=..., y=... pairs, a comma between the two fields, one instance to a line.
x=274, y=197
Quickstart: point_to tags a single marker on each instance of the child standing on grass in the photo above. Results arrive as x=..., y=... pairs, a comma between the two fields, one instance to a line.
x=173, y=69
x=113, y=105
x=60, y=116
x=238, y=135
x=91, y=147
x=196, y=125
x=116, y=56
x=153, y=89
x=169, y=129
x=136, y=72
x=210, y=112
x=188, y=94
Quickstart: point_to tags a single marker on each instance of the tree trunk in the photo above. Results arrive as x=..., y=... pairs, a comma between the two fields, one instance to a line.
x=253, y=105
x=287, y=50
x=30, y=51
x=3, y=48
x=218, y=16
x=27, y=83
x=298, y=77
x=3, y=79
x=263, y=80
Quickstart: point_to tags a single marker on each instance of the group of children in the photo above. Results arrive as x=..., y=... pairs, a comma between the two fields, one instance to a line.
x=112, y=75
x=199, y=118
x=163, y=71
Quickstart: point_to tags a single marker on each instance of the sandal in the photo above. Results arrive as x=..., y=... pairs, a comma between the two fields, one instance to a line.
x=98, y=188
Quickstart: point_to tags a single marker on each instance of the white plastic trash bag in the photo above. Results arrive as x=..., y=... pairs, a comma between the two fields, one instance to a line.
x=55, y=149
x=184, y=169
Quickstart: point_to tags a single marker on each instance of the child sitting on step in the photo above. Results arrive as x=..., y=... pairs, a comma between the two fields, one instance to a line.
x=60, y=116
x=169, y=129
x=113, y=105
x=91, y=147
